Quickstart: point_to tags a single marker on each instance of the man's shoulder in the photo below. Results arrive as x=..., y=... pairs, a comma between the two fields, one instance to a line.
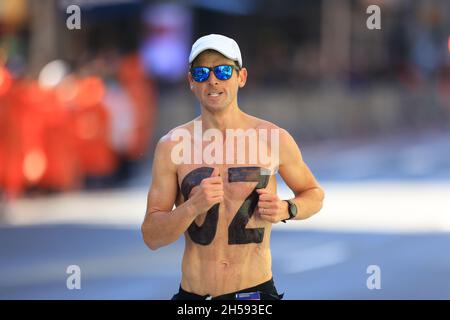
x=188, y=126
x=285, y=138
x=265, y=124
x=168, y=138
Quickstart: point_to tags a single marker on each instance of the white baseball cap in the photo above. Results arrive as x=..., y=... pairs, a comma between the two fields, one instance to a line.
x=226, y=46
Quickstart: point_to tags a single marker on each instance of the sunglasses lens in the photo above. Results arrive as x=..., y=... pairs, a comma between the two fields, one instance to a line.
x=200, y=74
x=223, y=72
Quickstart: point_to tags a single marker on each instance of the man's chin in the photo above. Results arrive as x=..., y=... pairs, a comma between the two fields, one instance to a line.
x=215, y=108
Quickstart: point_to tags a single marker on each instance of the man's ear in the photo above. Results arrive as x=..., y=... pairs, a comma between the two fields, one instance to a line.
x=242, y=78
x=190, y=81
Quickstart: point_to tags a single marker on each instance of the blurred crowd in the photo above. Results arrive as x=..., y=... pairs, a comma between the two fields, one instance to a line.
x=68, y=130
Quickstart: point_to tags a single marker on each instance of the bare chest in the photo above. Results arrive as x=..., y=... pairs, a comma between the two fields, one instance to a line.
x=232, y=220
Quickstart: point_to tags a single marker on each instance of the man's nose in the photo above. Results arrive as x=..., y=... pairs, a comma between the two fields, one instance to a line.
x=212, y=78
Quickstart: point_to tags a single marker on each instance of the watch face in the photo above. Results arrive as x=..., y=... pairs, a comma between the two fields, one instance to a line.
x=292, y=209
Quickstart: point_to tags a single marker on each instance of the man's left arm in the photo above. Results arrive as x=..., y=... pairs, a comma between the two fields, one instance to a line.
x=299, y=178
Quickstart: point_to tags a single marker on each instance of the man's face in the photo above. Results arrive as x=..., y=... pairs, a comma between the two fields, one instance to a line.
x=216, y=95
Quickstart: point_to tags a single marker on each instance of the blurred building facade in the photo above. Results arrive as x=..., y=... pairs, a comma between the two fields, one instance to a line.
x=111, y=88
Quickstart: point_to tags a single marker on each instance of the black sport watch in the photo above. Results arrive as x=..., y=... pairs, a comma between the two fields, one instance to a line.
x=292, y=209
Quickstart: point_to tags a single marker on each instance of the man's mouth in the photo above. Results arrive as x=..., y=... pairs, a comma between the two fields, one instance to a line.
x=215, y=93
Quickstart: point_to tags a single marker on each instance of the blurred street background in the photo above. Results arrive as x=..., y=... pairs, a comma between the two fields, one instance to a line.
x=81, y=110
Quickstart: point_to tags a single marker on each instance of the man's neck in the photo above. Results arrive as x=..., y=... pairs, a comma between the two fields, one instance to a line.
x=228, y=119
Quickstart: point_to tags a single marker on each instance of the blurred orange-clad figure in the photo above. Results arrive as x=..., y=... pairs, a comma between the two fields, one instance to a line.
x=91, y=127
x=5, y=81
x=32, y=126
x=21, y=138
x=142, y=94
x=39, y=148
x=63, y=168
x=5, y=86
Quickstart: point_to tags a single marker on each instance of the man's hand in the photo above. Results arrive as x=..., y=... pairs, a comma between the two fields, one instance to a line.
x=270, y=207
x=207, y=193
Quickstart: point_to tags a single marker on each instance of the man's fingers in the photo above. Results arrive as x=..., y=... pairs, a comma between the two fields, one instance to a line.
x=215, y=193
x=216, y=172
x=194, y=190
x=263, y=205
x=217, y=198
x=213, y=180
x=267, y=211
x=267, y=205
x=268, y=197
x=268, y=217
x=215, y=187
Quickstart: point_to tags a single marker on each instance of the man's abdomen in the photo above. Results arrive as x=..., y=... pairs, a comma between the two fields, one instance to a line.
x=217, y=270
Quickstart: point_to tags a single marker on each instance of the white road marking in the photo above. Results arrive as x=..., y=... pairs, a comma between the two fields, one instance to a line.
x=370, y=206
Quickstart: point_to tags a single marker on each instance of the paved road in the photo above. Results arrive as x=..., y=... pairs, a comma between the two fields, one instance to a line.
x=387, y=205
x=115, y=264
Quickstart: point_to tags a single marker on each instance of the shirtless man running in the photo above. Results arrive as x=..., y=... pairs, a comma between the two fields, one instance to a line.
x=225, y=200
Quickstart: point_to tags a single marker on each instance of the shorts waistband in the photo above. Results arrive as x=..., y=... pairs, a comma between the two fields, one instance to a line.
x=266, y=289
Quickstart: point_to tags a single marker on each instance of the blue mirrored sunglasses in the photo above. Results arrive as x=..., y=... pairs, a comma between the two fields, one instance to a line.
x=222, y=72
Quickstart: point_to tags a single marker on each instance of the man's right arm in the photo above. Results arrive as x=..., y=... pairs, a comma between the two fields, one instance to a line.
x=159, y=227
x=162, y=225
